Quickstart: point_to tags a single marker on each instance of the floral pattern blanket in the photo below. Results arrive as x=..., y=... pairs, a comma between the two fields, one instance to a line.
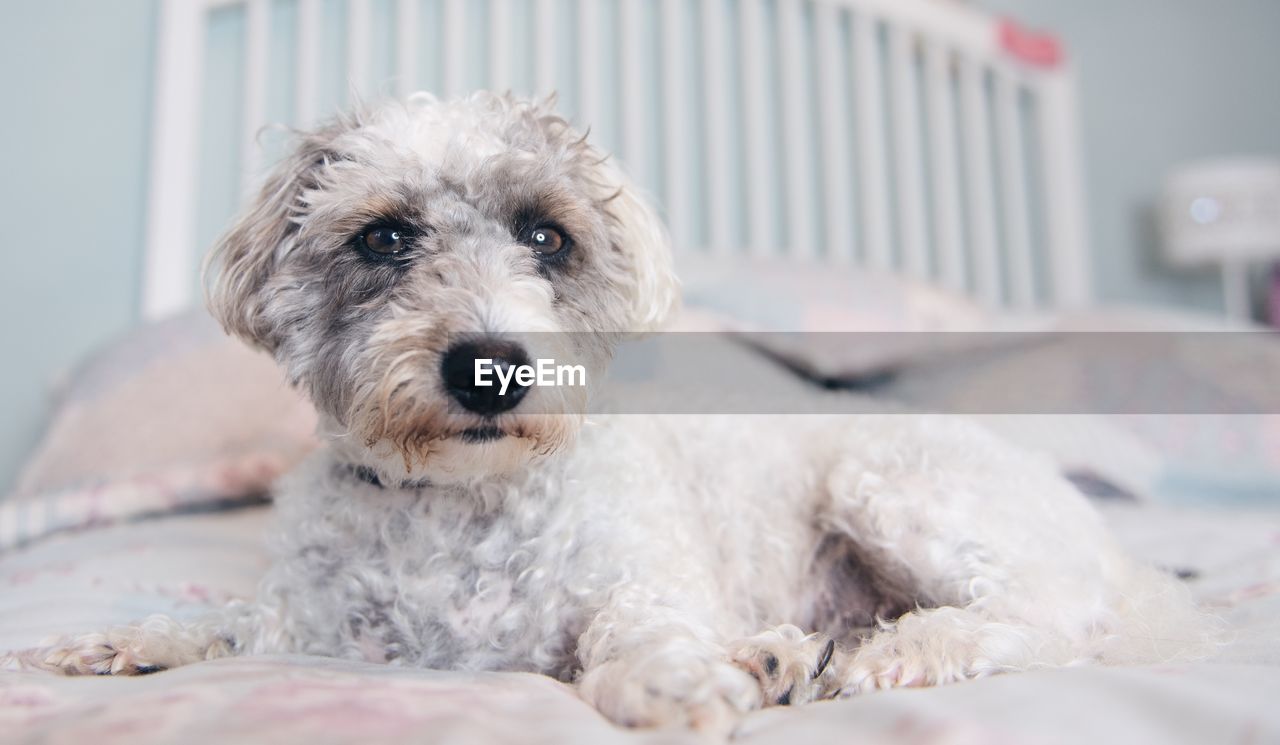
x=184, y=564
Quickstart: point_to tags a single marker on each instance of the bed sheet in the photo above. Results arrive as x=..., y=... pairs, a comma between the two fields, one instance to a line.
x=186, y=564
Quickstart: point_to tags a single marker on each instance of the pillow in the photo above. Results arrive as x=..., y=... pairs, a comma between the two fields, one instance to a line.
x=174, y=416
x=768, y=294
x=807, y=315
x=797, y=311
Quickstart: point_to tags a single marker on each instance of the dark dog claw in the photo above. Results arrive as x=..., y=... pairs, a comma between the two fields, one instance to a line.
x=824, y=659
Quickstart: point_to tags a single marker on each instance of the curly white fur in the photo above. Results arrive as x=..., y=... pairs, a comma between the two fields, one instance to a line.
x=682, y=569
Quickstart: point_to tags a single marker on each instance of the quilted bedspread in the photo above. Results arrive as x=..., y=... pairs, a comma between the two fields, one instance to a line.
x=183, y=565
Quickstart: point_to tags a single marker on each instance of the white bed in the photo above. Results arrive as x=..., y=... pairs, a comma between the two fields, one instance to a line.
x=183, y=564
x=169, y=519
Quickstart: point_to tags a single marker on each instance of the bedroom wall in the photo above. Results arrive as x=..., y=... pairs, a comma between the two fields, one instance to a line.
x=78, y=74
x=1161, y=82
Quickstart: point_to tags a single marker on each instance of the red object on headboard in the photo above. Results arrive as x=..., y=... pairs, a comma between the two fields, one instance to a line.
x=1036, y=48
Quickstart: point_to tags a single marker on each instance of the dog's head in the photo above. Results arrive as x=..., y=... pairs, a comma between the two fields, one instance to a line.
x=396, y=247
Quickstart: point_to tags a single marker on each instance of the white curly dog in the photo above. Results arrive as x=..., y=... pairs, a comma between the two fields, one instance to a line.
x=681, y=570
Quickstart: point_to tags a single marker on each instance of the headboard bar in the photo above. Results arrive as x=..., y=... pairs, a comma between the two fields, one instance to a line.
x=169, y=258
x=908, y=152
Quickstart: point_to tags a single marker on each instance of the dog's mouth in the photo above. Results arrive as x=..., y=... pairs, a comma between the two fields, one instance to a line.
x=477, y=435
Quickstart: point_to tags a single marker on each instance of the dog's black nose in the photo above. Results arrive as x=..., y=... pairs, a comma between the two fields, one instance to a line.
x=465, y=379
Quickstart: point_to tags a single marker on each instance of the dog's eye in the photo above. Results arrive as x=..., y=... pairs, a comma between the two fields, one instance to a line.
x=383, y=241
x=546, y=240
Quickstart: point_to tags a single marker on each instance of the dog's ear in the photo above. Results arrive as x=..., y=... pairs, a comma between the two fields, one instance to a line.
x=237, y=269
x=642, y=236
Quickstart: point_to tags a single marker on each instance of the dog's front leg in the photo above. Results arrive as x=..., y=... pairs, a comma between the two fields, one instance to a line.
x=649, y=664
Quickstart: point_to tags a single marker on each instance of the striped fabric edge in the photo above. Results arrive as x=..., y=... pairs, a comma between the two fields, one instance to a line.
x=225, y=483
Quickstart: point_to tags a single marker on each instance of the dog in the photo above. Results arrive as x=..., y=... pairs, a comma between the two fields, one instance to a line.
x=681, y=571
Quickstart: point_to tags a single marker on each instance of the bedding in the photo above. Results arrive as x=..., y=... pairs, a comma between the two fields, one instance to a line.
x=172, y=416
x=1203, y=410
x=930, y=349
x=187, y=563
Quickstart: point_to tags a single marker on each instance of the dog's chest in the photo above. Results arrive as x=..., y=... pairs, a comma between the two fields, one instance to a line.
x=438, y=582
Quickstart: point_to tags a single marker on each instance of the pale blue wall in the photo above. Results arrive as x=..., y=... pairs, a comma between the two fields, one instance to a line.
x=1162, y=81
x=76, y=80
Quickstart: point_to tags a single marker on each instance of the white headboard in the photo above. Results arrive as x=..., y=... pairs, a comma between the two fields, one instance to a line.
x=918, y=137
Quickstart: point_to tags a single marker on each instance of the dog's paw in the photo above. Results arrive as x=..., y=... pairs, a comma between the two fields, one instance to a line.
x=791, y=667
x=670, y=690
x=93, y=654
x=939, y=647
x=157, y=643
